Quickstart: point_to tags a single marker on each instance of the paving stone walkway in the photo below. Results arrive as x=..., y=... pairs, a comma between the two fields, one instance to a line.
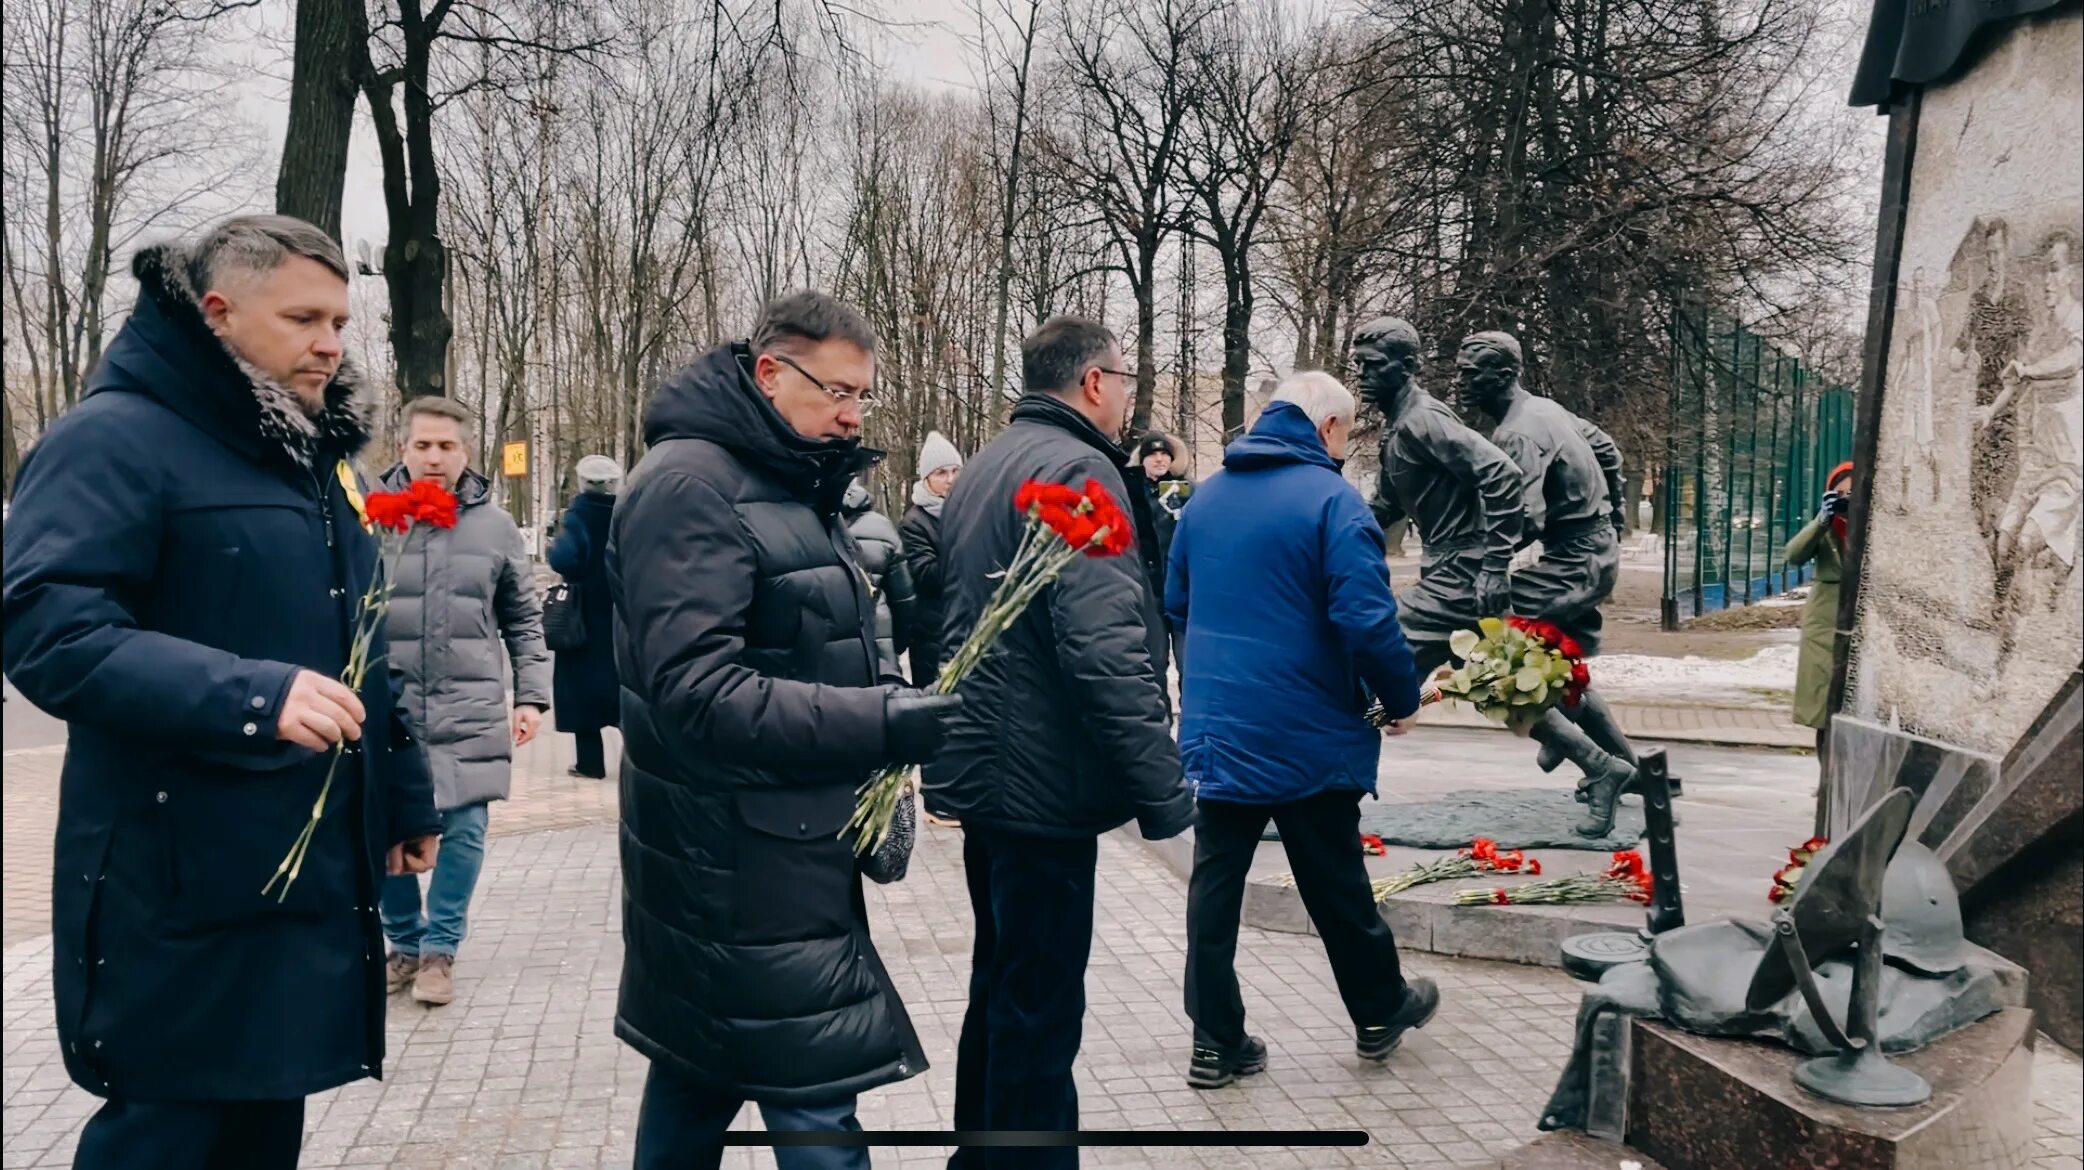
x=524, y=1070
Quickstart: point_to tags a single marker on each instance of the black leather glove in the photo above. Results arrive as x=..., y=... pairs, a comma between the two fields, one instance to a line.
x=1167, y=820
x=915, y=722
x=1493, y=594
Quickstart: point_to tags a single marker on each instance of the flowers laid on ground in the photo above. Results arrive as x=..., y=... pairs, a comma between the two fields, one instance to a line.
x=396, y=514
x=1626, y=878
x=1483, y=856
x=1063, y=523
x=1786, y=876
x=1515, y=668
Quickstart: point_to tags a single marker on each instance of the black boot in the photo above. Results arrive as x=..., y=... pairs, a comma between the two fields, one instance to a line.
x=1605, y=774
x=1213, y=1068
x=1377, y=1041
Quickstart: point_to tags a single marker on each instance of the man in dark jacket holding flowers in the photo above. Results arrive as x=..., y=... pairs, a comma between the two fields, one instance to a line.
x=1064, y=735
x=753, y=707
x=184, y=565
x=1280, y=585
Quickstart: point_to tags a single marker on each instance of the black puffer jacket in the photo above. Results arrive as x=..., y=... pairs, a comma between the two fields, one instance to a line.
x=1065, y=729
x=882, y=555
x=921, y=532
x=745, y=645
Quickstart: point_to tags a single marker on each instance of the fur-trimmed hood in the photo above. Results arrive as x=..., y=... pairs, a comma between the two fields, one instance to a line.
x=168, y=352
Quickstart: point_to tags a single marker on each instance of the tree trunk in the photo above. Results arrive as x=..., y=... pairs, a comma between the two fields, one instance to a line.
x=1009, y=219
x=1237, y=346
x=10, y=452
x=1145, y=281
x=313, y=176
x=415, y=262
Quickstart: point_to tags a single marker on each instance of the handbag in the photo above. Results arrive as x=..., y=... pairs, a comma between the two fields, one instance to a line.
x=887, y=862
x=564, y=618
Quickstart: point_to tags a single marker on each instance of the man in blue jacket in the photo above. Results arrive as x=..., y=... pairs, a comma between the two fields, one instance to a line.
x=1279, y=580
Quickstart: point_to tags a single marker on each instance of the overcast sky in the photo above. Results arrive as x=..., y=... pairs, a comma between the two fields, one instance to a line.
x=924, y=46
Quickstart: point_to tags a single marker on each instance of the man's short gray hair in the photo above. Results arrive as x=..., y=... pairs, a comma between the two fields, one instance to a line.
x=1320, y=396
x=257, y=245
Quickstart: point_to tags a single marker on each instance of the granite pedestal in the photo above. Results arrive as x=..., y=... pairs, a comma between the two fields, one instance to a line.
x=1703, y=1103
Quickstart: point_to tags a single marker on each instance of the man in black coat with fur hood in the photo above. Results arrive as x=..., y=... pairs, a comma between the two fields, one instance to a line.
x=184, y=562
x=753, y=706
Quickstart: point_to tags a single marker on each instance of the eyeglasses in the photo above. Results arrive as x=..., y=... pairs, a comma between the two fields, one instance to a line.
x=863, y=401
x=1125, y=375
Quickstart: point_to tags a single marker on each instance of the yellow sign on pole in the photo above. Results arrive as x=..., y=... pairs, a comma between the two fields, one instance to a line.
x=514, y=459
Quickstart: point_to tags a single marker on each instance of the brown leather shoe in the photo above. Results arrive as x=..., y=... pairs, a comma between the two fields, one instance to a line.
x=434, y=985
x=398, y=972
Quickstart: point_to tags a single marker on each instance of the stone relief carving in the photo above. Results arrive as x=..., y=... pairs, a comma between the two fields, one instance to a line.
x=1971, y=611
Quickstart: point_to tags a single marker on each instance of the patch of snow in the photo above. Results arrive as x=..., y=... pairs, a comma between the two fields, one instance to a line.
x=1642, y=678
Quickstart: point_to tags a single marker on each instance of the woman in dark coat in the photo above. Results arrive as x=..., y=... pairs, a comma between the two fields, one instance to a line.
x=939, y=464
x=585, y=695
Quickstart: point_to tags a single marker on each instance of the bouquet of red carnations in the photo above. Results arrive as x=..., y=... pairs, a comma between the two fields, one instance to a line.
x=1626, y=878
x=1063, y=524
x=397, y=514
x=1786, y=876
x=1515, y=668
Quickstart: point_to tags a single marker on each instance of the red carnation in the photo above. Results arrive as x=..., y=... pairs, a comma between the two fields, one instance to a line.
x=1041, y=493
x=392, y=510
x=423, y=502
x=432, y=503
x=1534, y=866
x=1500, y=898
x=1569, y=648
x=1580, y=674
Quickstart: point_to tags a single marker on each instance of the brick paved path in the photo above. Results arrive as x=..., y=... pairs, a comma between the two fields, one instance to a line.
x=524, y=1070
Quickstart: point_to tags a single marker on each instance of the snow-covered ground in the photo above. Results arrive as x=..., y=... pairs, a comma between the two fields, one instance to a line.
x=1766, y=679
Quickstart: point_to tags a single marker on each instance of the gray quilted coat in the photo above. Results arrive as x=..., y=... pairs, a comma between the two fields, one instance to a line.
x=464, y=611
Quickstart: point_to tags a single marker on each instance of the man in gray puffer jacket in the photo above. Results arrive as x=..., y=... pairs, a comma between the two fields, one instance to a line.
x=882, y=559
x=463, y=606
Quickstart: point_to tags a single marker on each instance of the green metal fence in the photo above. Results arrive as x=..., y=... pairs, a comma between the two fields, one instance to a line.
x=1751, y=434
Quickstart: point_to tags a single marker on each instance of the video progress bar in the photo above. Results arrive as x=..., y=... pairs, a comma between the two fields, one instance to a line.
x=1051, y=1139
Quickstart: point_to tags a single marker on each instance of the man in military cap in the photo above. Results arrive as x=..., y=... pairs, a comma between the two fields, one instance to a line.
x=1573, y=502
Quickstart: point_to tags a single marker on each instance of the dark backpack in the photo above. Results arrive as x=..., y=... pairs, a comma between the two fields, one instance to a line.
x=564, y=619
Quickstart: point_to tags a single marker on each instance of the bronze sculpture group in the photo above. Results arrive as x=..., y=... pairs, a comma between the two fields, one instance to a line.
x=1544, y=475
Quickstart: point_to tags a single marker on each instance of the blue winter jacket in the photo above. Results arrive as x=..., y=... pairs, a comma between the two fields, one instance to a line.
x=1278, y=576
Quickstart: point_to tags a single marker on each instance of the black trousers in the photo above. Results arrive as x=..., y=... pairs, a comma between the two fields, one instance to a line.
x=1321, y=834
x=1033, y=902
x=203, y=1135
x=590, y=753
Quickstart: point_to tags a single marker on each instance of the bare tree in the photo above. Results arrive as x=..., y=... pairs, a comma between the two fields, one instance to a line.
x=1250, y=81
x=1007, y=32
x=1130, y=65
x=115, y=117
